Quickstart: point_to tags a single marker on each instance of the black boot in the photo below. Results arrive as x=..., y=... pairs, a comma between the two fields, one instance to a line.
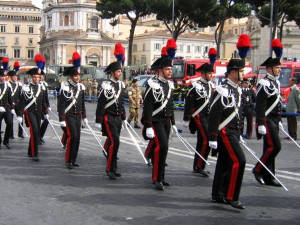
x=111, y=175
x=258, y=177
x=159, y=186
x=236, y=204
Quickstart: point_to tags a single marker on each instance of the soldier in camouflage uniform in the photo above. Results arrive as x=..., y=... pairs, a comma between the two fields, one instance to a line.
x=135, y=99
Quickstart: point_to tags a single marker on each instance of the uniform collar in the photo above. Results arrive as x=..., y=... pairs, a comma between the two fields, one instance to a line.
x=271, y=77
x=231, y=83
x=72, y=83
x=162, y=79
x=113, y=80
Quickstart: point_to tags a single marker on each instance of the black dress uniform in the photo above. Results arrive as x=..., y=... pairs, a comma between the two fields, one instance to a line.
x=268, y=114
x=6, y=105
x=16, y=88
x=110, y=113
x=196, y=111
x=71, y=111
x=158, y=114
x=224, y=127
x=248, y=100
x=45, y=121
x=33, y=105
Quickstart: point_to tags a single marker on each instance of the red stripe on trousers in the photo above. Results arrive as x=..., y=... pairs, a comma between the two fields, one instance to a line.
x=156, y=157
x=31, y=133
x=268, y=152
x=235, y=166
x=204, y=143
x=64, y=137
x=148, y=149
x=68, y=148
x=111, y=147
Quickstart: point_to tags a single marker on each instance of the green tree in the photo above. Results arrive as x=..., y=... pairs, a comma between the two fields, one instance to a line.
x=186, y=14
x=284, y=11
x=133, y=9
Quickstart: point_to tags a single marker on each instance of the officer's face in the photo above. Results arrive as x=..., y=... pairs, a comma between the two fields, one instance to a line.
x=167, y=72
x=14, y=78
x=2, y=78
x=276, y=70
x=36, y=78
x=208, y=76
x=42, y=77
x=241, y=74
x=117, y=74
x=75, y=78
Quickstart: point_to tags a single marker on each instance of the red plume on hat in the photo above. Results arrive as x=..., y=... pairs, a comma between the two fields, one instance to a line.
x=16, y=66
x=120, y=53
x=212, y=55
x=171, y=48
x=277, y=47
x=164, y=52
x=5, y=63
x=244, y=45
x=76, y=59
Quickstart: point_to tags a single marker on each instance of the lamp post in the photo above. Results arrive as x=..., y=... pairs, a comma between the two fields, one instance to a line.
x=173, y=18
x=271, y=26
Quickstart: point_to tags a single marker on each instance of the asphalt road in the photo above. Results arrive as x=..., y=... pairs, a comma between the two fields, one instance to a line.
x=45, y=192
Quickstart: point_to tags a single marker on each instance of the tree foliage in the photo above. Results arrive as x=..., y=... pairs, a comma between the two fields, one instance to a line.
x=133, y=9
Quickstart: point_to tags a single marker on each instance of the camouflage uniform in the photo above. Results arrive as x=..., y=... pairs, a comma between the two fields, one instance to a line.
x=95, y=88
x=135, y=97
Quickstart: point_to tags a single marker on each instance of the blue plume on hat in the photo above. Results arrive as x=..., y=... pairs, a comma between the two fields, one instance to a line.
x=76, y=59
x=40, y=61
x=243, y=45
x=277, y=47
x=5, y=63
x=120, y=53
x=171, y=48
x=16, y=66
x=212, y=55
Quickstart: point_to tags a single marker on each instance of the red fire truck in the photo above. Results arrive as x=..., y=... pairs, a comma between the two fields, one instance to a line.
x=289, y=69
x=184, y=70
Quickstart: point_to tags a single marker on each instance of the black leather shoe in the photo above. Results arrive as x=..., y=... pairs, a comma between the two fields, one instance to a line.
x=258, y=177
x=159, y=186
x=69, y=166
x=21, y=136
x=75, y=165
x=42, y=141
x=273, y=182
x=204, y=173
x=11, y=137
x=7, y=145
x=236, y=204
x=35, y=158
x=111, y=176
x=137, y=126
x=149, y=162
x=166, y=164
x=117, y=174
x=165, y=183
x=218, y=199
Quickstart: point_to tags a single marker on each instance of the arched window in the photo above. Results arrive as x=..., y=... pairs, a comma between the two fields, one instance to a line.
x=66, y=20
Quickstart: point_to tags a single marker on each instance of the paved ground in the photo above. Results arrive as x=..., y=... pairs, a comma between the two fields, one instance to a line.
x=47, y=193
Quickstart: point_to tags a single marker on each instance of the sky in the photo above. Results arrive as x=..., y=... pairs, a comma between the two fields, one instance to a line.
x=37, y=3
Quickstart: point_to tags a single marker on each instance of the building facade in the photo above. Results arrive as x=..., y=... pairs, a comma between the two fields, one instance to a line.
x=20, y=23
x=147, y=47
x=74, y=25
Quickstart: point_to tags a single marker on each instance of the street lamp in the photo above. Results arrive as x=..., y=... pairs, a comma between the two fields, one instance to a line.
x=173, y=18
x=271, y=26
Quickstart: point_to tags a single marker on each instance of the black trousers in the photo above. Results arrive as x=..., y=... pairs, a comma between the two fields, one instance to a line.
x=73, y=126
x=272, y=147
x=44, y=127
x=113, y=125
x=33, y=121
x=64, y=137
x=20, y=131
x=248, y=114
x=150, y=149
x=161, y=142
x=202, y=141
x=230, y=165
x=292, y=126
x=8, y=120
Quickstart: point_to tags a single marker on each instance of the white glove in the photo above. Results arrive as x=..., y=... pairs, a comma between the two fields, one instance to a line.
x=62, y=123
x=20, y=119
x=49, y=109
x=46, y=116
x=150, y=132
x=242, y=140
x=13, y=112
x=175, y=129
x=186, y=123
x=85, y=122
x=280, y=124
x=98, y=125
x=262, y=129
x=213, y=144
x=2, y=109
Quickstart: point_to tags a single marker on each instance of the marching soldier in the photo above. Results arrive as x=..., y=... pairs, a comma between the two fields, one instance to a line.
x=158, y=118
x=224, y=135
x=109, y=115
x=45, y=123
x=135, y=99
x=72, y=111
x=248, y=100
x=196, y=113
x=16, y=88
x=268, y=118
x=6, y=107
x=34, y=107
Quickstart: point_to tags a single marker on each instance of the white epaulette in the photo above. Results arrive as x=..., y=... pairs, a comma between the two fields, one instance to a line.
x=153, y=83
x=106, y=85
x=197, y=85
x=222, y=90
x=25, y=88
x=122, y=84
x=171, y=84
x=81, y=86
x=264, y=82
x=65, y=86
x=20, y=84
